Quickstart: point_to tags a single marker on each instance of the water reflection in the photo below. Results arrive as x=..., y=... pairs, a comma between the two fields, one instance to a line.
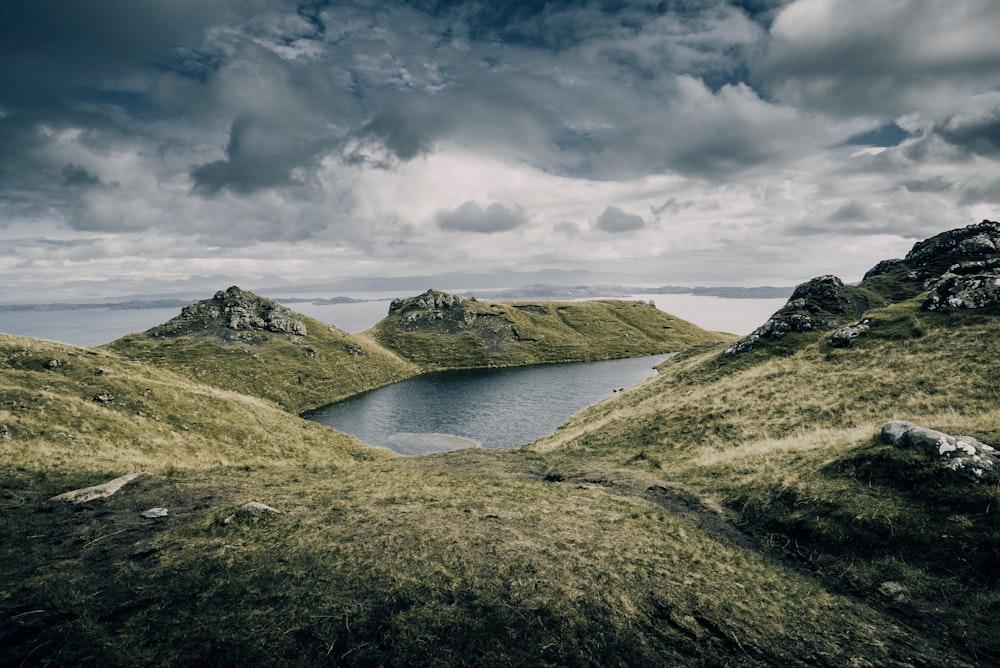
x=492, y=408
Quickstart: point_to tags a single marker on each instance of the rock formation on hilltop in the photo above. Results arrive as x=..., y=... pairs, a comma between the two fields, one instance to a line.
x=438, y=330
x=931, y=258
x=233, y=314
x=958, y=269
x=822, y=303
x=436, y=312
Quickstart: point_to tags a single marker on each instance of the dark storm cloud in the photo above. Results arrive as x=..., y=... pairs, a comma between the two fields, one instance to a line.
x=857, y=56
x=615, y=221
x=979, y=137
x=470, y=217
x=261, y=153
x=75, y=176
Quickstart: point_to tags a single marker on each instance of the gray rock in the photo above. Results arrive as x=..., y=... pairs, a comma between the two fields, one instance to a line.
x=967, y=285
x=101, y=491
x=154, y=513
x=430, y=300
x=963, y=454
x=243, y=314
x=842, y=337
x=103, y=398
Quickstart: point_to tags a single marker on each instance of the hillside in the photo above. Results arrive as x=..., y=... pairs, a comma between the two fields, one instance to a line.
x=742, y=508
x=84, y=411
x=249, y=344
x=437, y=330
x=783, y=430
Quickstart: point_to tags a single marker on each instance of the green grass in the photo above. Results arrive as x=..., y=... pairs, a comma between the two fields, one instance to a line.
x=154, y=420
x=462, y=559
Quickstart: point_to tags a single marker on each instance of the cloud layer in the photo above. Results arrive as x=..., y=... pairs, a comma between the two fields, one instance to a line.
x=720, y=141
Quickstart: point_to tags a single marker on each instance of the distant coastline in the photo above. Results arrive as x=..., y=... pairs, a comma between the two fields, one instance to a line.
x=557, y=292
x=143, y=304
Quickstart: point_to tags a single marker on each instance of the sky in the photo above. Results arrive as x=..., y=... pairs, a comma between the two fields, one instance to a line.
x=685, y=142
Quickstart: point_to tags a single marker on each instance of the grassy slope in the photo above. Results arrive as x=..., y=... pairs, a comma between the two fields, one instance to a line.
x=547, y=332
x=154, y=420
x=296, y=372
x=786, y=437
x=608, y=550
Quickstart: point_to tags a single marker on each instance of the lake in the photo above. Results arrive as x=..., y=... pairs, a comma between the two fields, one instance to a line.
x=488, y=408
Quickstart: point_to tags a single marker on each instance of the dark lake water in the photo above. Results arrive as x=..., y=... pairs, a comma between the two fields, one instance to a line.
x=489, y=408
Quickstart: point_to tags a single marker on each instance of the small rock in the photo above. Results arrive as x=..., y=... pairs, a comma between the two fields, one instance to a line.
x=891, y=589
x=154, y=513
x=103, y=398
x=52, y=364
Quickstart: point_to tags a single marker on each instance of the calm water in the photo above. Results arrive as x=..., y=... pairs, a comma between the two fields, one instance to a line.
x=492, y=408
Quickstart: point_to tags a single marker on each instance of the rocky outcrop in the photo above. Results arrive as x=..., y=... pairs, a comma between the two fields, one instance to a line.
x=931, y=258
x=436, y=312
x=822, y=303
x=233, y=314
x=963, y=454
x=430, y=300
x=968, y=285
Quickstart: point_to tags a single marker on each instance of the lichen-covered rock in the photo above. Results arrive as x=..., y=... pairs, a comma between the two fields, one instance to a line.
x=974, y=242
x=963, y=454
x=822, y=303
x=242, y=314
x=842, y=337
x=967, y=285
x=432, y=299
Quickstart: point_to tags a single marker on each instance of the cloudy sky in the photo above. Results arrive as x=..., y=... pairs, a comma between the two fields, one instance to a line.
x=725, y=142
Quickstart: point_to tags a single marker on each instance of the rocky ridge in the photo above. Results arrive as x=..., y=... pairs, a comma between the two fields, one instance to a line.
x=957, y=269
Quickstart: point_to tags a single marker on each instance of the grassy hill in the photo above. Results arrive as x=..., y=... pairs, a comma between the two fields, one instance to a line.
x=291, y=359
x=738, y=509
x=89, y=412
x=437, y=330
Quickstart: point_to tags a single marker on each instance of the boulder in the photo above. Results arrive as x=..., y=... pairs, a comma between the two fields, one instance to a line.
x=101, y=491
x=843, y=337
x=967, y=285
x=963, y=454
x=430, y=300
